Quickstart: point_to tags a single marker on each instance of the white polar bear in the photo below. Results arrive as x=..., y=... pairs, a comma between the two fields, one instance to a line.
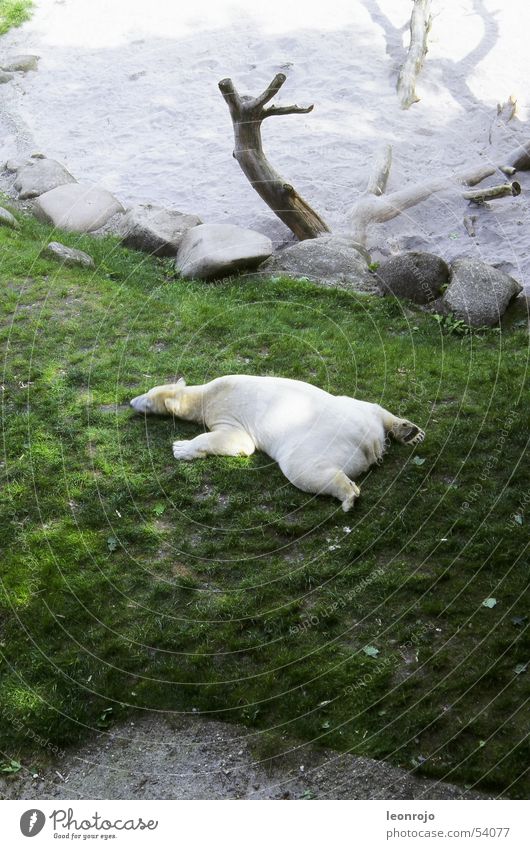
x=320, y=441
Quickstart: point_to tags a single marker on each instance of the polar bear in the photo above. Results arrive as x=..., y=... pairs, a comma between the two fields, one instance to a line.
x=321, y=442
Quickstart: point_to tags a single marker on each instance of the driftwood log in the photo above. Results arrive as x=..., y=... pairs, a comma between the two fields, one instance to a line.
x=247, y=114
x=490, y=192
x=420, y=24
x=374, y=206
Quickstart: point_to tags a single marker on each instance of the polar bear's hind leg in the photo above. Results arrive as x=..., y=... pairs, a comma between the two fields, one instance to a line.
x=323, y=480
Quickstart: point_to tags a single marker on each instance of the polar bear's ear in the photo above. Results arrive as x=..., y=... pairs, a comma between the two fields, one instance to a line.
x=172, y=405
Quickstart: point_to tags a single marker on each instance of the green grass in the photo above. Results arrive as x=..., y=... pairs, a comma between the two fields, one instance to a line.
x=132, y=582
x=13, y=13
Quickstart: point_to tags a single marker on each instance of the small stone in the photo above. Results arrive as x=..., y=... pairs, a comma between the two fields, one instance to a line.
x=8, y=220
x=69, y=256
x=478, y=293
x=4, y=77
x=154, y=229
x=24, y=63
x=210, y=251
x=77, y=207
x=415, y=275
x=40, y=175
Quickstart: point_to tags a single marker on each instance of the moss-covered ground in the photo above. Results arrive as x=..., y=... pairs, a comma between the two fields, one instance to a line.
x=129, y=581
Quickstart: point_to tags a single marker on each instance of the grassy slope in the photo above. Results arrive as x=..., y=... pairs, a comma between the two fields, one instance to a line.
x=131, y=581
x=13, y=13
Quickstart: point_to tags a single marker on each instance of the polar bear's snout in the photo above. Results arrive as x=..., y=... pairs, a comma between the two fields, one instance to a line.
x=140, y=403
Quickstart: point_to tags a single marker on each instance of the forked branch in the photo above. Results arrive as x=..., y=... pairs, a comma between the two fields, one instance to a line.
x=247, y=114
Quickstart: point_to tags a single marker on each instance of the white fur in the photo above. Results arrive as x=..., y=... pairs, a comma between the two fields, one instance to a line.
x=320, y=441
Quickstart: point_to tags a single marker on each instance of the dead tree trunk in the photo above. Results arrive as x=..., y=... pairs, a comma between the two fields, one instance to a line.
x=373, y=206
x=420, y=24
x=247, y=113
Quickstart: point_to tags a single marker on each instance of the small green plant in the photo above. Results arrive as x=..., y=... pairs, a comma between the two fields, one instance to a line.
x=13, y=13
x=10, y=767
x=373, y=266
x=458, y=327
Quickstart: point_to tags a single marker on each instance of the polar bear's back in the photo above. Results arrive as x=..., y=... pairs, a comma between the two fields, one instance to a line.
x=283, y=416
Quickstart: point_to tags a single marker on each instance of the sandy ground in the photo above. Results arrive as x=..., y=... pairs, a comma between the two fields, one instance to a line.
x=195, y=758
x=126, y=95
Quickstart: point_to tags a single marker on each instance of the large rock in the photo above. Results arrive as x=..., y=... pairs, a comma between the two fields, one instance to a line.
x=328, y=260
x=27, y=62
x=8, y=220
x=69, y=256
x=77, y=207
x=216, y=250
x=478, y=293
x=417, y=276
x=5, y=78
x=155, y=229
x=38, y=176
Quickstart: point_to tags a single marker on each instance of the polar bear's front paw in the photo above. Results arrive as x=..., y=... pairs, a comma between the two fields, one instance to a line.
x=182, y=450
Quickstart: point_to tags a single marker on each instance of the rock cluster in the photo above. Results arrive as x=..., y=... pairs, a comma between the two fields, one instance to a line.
x=471, y=290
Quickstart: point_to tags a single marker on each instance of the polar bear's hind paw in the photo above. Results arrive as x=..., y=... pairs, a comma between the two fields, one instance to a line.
x=414, y=436
x=408, y=433
x=349, y=501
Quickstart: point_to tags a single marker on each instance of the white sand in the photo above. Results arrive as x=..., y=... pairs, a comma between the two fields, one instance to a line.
x=126, y=95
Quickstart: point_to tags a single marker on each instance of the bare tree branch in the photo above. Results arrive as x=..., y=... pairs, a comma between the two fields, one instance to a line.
x=373, y=205
x=380, y=171
x=420, y=24
x=505, y=190
x=372, y=208
x=247, y=114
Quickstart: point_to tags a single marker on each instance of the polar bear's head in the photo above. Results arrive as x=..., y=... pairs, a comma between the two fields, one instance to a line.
x=160, y=400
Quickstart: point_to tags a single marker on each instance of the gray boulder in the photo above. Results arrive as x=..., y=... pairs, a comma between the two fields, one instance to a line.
x=77, y=207
x=4, y=77
x=24, y=63
x=155, y=229
x=329, y=261
x=38, y=176
x=8, y=220
x=478, y=293
x=416, y=275
x=209, y=251
x=69, y=256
